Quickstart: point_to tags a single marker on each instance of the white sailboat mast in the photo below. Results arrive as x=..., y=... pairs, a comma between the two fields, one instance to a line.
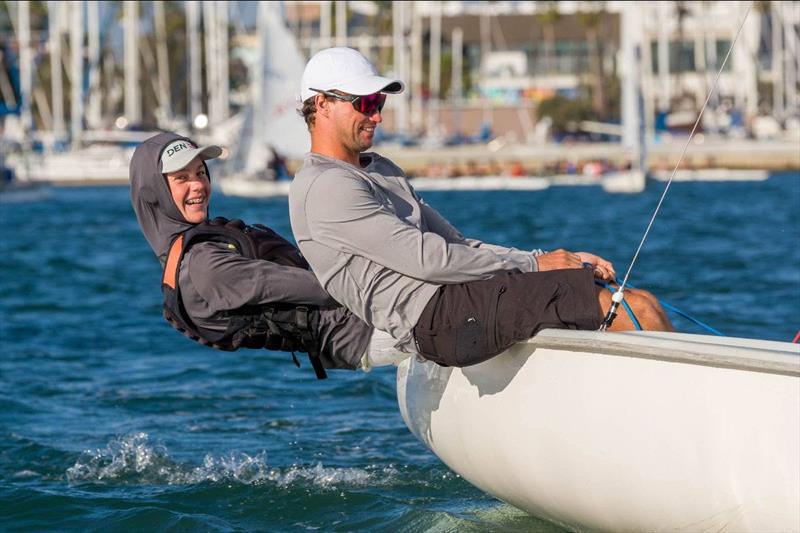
x=341, y=22
x=133, y=110
x=215, y=16
x=456, y=40
x=486, y=49
x=632, y=124
x=26, y=69
x=210, y=35
x=416, y=69
x=76, y=67
x=791, y=52
x=400, y=63
x=94, y=110
x=663, y=57
x=56, y=78
x=164, y=100
x=324, y=25
x=257, y=73
x=777, y=59
x=222, y=59
x=195, y=81
x=434, y=72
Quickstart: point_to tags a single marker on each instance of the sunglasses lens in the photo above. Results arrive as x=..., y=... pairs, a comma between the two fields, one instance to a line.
x=371, y=103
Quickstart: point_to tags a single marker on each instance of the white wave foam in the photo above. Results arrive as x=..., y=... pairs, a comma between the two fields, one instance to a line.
x=132, y=459
x=123, y=458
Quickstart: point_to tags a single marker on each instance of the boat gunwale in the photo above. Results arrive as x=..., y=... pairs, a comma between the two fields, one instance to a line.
x=778, y=359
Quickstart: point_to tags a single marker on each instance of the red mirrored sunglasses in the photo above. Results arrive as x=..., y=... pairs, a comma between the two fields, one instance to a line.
x=367, y=104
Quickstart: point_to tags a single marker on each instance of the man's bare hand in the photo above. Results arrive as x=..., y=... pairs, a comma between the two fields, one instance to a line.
x=559, y=259
x=603, y=269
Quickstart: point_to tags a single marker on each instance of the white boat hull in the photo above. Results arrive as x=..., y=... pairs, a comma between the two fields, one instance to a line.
x=95, y=164
x=247, y=186
x=712, y=174
x=481, y=183
x=622, y=432
x=251, y=187
x=625, y=181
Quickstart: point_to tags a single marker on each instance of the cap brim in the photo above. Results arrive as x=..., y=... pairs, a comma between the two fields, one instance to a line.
x=177, y=163
x=371, y=85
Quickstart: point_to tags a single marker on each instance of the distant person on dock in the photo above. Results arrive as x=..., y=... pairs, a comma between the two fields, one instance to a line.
x=393, y=260
x=226, y=284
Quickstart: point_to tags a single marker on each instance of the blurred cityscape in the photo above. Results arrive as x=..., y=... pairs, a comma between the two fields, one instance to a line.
x=540, y=86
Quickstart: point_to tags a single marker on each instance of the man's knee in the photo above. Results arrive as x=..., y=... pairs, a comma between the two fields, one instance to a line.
x=648, y=310
x=645, y=307
x=642, y=298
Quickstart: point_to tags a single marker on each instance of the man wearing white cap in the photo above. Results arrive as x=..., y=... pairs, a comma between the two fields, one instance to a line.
x=394, y=261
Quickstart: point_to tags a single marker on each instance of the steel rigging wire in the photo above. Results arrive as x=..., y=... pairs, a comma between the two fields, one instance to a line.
x=618, y=296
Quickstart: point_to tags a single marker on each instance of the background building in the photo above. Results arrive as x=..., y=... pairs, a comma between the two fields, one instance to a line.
x=531, y=72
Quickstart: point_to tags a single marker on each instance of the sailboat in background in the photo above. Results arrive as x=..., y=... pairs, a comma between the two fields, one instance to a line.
x=85, y=153
x=271, y=127
x=633, y=130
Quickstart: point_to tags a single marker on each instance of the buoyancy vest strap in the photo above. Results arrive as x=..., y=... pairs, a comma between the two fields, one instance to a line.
x=173, y=258
x=301, y=314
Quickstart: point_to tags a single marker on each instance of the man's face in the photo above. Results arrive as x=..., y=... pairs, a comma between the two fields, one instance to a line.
x=191, y=190
x=355, y=130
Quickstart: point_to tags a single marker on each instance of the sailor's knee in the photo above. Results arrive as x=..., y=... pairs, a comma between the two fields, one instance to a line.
x=647, y=306
x=644, y=299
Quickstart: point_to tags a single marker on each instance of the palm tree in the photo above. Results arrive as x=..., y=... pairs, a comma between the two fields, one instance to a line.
x=592, y=21
x=548, y=18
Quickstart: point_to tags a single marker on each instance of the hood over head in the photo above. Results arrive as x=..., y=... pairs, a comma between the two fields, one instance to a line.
x=158, y=216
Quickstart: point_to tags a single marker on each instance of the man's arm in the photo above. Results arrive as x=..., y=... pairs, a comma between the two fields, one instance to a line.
x=226, y=280
x=438, y=224
x=557, y=259
x=344, y=214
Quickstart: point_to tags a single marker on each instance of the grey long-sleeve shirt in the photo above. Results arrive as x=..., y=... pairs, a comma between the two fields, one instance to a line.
x=378, y=248
x=213, y=279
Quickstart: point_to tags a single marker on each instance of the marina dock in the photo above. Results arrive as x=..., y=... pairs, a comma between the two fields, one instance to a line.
x=740, y=154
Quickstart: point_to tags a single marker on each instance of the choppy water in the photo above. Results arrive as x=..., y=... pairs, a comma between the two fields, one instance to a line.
x=109, y=420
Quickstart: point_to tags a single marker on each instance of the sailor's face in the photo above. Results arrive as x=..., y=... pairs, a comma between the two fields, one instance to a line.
x=356, y=129
x=191, y=190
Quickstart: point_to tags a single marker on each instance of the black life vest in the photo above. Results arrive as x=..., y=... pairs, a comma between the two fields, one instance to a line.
x=284, y=327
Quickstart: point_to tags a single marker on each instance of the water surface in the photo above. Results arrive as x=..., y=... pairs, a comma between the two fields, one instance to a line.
x=111, y=420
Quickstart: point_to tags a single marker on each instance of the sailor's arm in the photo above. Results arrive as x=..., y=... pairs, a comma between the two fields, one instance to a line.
x=438, y=224
x=226, y=280
x=545, y=261
x=343, y=213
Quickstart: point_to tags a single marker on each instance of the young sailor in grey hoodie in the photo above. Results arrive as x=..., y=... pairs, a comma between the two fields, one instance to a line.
x=213, y=291
x=380, y=250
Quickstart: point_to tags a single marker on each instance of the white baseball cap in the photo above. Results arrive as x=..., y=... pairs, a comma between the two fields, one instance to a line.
x=180, y=153
x=347, y=70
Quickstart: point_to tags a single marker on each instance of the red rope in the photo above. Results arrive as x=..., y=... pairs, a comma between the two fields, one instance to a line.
x=797, y=337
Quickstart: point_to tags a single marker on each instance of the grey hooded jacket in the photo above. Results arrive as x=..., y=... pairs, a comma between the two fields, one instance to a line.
x=214, y=280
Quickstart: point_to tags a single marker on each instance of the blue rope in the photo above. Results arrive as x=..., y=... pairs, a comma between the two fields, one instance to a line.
x=624, y=304
x=633, y=317
x=677, y=311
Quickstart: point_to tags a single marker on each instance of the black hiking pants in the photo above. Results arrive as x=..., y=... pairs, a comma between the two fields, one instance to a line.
x=468, y=323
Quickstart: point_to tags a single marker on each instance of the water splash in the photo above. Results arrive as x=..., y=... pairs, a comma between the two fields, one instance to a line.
x=128, y=458
x=132, y=459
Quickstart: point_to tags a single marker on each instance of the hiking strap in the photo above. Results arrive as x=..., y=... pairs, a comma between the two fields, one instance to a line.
x=301, y=319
